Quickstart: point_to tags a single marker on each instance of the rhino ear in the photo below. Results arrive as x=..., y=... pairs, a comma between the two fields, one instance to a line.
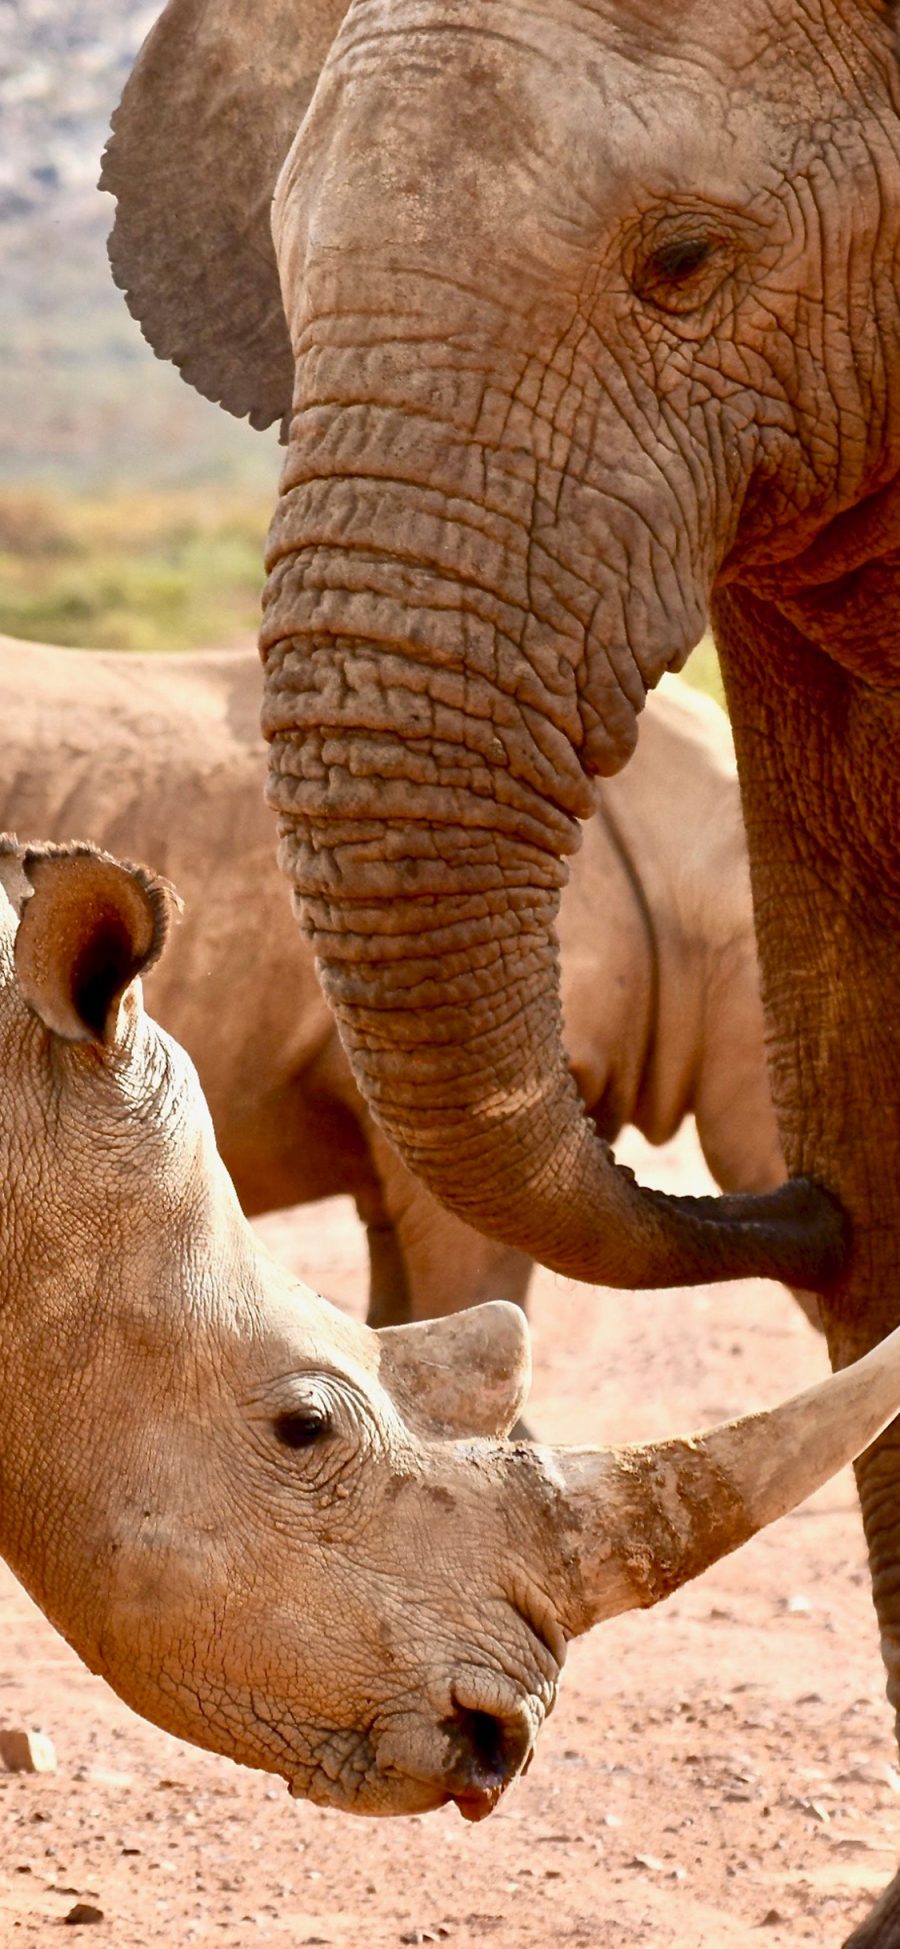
x=89, y=926
x=207, y=118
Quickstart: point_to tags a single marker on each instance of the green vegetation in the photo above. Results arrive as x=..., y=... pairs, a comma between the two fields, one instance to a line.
x=147, y=571
x=153, y=571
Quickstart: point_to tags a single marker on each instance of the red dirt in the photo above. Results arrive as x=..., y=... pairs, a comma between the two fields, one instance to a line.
x=718, y=1772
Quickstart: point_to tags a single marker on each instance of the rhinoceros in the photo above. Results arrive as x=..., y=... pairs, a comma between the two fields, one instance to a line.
x=161, y=758
x=275, y=1531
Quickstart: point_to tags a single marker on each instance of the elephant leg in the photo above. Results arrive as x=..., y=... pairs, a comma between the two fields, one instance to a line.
x=389, y=1297
x=818, y=756
x=881, y=1928
x=878, y=1481
x=447, y=1265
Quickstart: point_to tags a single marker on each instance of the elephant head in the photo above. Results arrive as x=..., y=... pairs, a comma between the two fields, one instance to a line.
x=277, y=1533
x=587, y=314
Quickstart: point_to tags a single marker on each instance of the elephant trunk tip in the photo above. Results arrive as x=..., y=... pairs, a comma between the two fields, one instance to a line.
x=799, y=1232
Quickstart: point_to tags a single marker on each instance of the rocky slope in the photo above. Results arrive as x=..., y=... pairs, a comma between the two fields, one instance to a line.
x=62, y=67
x=81, y=399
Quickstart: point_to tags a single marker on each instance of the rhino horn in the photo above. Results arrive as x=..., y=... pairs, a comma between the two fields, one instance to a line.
x=636, y=1523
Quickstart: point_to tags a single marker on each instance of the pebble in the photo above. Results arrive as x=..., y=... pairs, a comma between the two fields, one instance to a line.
x=84, y=1912
x=26, y=1752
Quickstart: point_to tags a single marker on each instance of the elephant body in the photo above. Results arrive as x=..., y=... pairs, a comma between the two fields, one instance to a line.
x=161, y=758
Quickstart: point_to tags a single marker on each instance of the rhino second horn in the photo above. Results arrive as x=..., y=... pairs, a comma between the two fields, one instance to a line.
x=634, y=1524
x=464, y=1374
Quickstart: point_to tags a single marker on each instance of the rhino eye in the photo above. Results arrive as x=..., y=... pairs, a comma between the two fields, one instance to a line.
x=300, y=1427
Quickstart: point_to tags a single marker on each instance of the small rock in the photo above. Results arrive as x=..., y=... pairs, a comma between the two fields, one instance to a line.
x=649, y=1861
x=26, y=1752
x=771, y=1919
x=104, y=1776
x=83, y=1912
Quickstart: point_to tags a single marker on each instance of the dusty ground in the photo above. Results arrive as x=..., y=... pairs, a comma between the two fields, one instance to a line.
x=717, y=1773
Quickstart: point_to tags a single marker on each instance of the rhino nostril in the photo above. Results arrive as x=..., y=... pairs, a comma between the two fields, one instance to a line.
x=486, y=1738
x=485, y=1751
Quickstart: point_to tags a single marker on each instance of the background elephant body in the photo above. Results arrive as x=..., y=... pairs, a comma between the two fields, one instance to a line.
x=161, y=758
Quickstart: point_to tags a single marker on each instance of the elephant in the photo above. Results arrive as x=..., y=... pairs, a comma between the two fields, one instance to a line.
x=160, y=757
x=248, y=1511
x=582, y=327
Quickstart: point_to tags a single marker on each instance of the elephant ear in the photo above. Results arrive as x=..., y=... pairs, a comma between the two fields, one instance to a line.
x=210, y=111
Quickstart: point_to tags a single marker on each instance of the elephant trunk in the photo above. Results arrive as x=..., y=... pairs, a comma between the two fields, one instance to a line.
x=431, y=909
x=425, y=728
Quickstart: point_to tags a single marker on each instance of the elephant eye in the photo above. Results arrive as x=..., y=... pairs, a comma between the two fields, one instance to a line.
x=676, y=261
x=680, y=274
x=300, y=1427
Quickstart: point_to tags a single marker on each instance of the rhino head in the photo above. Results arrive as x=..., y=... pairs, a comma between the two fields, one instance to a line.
x=275, y=1532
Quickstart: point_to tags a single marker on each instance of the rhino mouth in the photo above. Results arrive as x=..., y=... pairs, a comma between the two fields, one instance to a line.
x=475, y=1807
x=386, y=1790
x=458, y=1741
x=467, y=1758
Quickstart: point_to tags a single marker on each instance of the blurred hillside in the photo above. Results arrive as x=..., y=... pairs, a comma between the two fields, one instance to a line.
x=83, y=402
